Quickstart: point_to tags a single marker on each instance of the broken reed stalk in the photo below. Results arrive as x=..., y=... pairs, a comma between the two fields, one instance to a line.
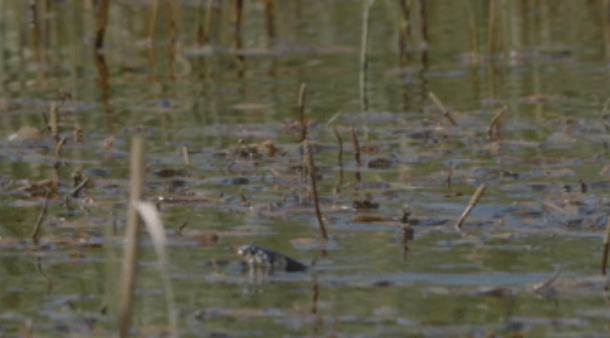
x=186, y=156
x=606, y=248
x=473, y=202
x=364, y=63
x=541, y=286
x=181, y=227
x=101, y=21
x=43, y=212
x=442, y=108
x=79, y=187
x=495, y=123
x=314, y=187
x=340, y=155
x=60, y=144
x=152, y=20
x=130, y=257
x=301, y=102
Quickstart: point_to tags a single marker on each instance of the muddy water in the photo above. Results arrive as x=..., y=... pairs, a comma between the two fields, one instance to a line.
x=544, y=166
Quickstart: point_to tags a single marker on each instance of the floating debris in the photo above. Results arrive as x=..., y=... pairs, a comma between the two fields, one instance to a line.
x=365, y=203
x=29, y=137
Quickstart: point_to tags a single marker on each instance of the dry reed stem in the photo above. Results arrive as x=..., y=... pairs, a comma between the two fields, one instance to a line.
x=80, y=187
x=301, y=103
x=200, y=33
x=541, y=286
x=181, y=227
x=130, y=257
x=442, y=108
x=101, y=21
x=43, y=213
x=491, y=27
x=54, y=122
x=46, y=121
x=60, y=144
x=208, y=22
x=269, y=14
x=35, y=30
x=154, y=225
x=553, y=206
x=172, y=14
x=606, y=248
x=27, y=329
x=404, y=32
x=152, y=20
x=314, y=188
x=364, y=63
x=495, y=123
x=449, y=175
x=187, y=157
x=237, y=19
x=473, y=202
x=431, y=116
x=340, y=155
x=474, y=37
x=356, y=146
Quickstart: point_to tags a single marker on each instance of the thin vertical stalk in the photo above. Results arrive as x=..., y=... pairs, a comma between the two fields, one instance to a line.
x=130, y=258
x=424, y=31
x=606, y=248
x=314, y=188
x=340, y=154
x=301, y=103
x=404, y=33
x=356, y=146
x=35, y=29
x=364, y=64
x=208, y=20
x=200, y=32
x=38, y=225
x=492, y=27
x=152, y=20
x=172, y=13
x=237, y=17
x=101, y=21
x=187, y=157
x=270, y=15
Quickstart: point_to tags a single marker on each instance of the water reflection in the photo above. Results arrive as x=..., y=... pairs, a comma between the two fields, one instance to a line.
x=202, y=75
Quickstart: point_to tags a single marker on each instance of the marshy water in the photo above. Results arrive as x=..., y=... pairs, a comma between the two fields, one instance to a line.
x=223, y=86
